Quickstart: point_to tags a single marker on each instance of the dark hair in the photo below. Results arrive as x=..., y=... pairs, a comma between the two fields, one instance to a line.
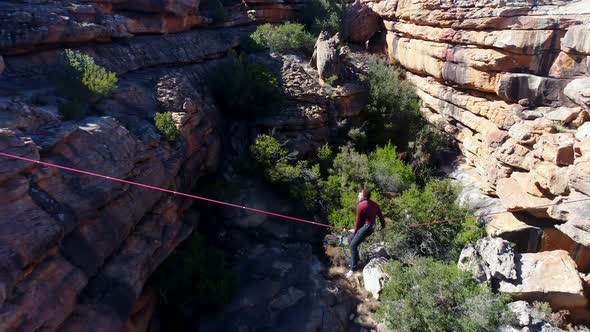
x=366, y=193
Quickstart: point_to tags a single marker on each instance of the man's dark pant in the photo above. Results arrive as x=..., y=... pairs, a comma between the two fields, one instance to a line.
x=354, y=240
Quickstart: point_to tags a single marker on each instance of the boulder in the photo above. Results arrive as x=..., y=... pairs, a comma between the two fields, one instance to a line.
x=326, y=56
x=521, y=311
x=470, y=261
x=583, y=131
x=549, y=276
x=526, y=237
x=514, y=197
x=556, y=148
x=498, y=255
x=359, y=23
x=374, y=276
x=577, y=39
x=549, y=178
x=538, y=90
x=582, y=150
x=563, y=114
x=578, y=91
x=579, y=177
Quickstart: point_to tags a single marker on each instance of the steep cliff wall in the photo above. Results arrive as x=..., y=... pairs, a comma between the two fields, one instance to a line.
x=75, y=251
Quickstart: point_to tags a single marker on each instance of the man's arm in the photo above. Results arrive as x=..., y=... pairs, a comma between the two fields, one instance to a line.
x=380, y=215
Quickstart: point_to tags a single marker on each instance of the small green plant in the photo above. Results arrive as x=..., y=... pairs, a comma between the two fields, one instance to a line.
x=427, y=295
x=82, y=78
x=81, y=81
x=283, y=38
x=324, y=152
x=330, y=80
x=243, y=88
x=322, y=15
x=167, y=126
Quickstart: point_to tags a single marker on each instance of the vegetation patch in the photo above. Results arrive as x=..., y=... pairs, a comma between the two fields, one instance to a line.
x=427, y=295
x=283, y=38
x=322, y=15
x=166, y=126
x=244, y=89
x=81, y=81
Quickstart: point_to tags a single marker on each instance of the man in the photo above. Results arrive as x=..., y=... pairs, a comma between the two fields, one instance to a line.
x=366, y=213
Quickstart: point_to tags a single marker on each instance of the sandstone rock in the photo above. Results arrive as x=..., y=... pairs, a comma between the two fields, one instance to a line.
x=578, y=91
x=176, y=7
x=578, y=177
x=549, y=276
x=583, y=117
x=577, y=39
x=470, y=261
x=575, y=210
x=582, y=150
x=514, y=197
x=359, y=23
x=583, y=131
x=526, y=237
x=556, y=148
x=498, y=255
x=326, y=56
x=548, y=177
x=374, y=276
x=522, y=311
x=539, y=90
x=563, y=114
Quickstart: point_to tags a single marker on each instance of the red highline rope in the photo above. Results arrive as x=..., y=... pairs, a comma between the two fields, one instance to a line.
x=245, y=207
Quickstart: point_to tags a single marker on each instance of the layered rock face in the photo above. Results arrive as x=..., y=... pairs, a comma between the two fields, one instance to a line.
x=76, y=251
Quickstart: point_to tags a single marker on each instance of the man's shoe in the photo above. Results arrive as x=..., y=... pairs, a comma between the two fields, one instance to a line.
x=349, y=274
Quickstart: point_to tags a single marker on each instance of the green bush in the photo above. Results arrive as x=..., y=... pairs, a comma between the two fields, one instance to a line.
x=167, y=126
x=81, y=78
x=428, y=295
x=436, y=201
x=429, y=149
x=194, y=281
x=393, y=105
x=283, y=38
x=352, y=168
x=389, y=172
x=243, y=88
x=322, y=15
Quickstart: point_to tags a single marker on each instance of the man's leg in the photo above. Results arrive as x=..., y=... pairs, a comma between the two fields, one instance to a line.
x=358, y=238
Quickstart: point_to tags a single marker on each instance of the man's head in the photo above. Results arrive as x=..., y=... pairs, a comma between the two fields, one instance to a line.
x=364, y=194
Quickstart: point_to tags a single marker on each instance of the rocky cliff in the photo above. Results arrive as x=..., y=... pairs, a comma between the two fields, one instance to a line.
x=76, y=251
x=509, y=80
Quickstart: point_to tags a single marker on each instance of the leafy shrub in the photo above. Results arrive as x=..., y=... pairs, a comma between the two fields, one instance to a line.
x=267, y=150
x=393, y=105
x=243, y=88
x=283, y=38
x=422, y=206
x=167, y=126
x=428, y=295
x=72, y=110
x=429, y=149
x=81, y=78
x=194, y=281
x=322, y=15
x=352, y=168
x=389, y=172
x=324, y=152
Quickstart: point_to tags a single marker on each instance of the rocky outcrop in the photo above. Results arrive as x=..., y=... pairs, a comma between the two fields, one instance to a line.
x=374, y=276
x=549, y=276
x=326, y=57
